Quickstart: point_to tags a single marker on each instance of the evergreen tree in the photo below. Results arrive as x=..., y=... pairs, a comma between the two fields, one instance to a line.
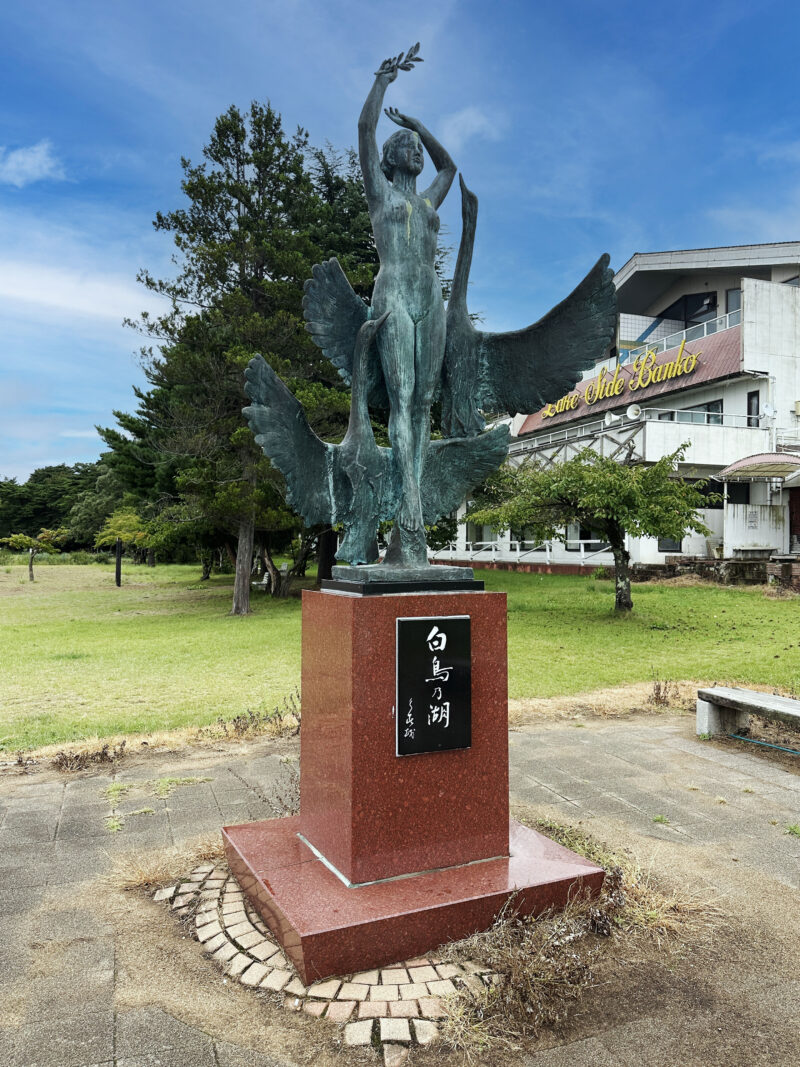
x=263, y=208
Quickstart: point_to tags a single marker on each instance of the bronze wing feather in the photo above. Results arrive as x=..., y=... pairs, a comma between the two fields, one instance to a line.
x=281, y=429
x=456, y=465
x=525, y=369
x=334, y=314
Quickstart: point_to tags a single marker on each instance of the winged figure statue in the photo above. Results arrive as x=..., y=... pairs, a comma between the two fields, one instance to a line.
x=403, y=350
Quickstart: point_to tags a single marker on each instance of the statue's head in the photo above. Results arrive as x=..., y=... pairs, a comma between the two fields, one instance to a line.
x=403, y=150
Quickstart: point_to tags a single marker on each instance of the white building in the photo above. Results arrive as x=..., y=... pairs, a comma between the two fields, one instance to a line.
x=708, y=351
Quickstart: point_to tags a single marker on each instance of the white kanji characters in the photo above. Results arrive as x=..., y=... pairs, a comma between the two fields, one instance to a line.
x=439, y=714
x=440, y=673
x=436, y=640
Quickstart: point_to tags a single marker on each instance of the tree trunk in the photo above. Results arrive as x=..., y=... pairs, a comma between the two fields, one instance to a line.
x=261, y=559
x=269, y=565
x=230, y=552
x=31, y=554
x=280, y=581
x=622, y=575
x=308, y=543
x=207, y=561
x=151, y=557
x=327, y=543
x=118, y=563
x=244, y=563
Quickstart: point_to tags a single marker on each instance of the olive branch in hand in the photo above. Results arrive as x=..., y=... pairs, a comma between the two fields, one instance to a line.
x=405, y=61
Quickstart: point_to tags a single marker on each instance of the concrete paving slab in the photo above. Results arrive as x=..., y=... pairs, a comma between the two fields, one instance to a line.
x=147, y=1031
x=73, y=1041
x=612, y=776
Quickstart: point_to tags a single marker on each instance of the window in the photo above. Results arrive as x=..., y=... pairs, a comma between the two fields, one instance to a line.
x=526, y=540
x=666, y=416
x=480, y=534
x=591, y=538
x=667, y=544
x=733, y=300
x=692, y=309
x=709, y=414
x=738, y=492
x=753, y=409
x=793, y=281
x=710, y=489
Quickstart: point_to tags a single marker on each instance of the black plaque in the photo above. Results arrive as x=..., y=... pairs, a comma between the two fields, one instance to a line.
x=434, y=684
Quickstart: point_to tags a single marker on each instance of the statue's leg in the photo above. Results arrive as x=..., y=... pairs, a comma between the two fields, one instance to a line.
x=428, y=360
x=396, y=350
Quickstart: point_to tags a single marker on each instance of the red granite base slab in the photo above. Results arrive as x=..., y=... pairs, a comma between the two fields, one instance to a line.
x=326, y=928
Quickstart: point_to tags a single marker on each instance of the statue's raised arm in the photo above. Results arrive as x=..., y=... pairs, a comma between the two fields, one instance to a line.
x=374, y=179
x=445, y=167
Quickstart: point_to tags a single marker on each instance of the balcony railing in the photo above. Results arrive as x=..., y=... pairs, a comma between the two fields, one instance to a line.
x=521, y=551
x=701, y=418
x=694, y=333
x=679, y=415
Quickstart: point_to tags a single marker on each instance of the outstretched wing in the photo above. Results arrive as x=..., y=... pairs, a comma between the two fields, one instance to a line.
x=456, y=465
x=525, y=369
x=281, y=429
x=334, y=314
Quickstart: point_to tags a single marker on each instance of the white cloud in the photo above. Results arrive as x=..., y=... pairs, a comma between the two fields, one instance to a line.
x=76, y=291
x=744, y=224
x=788, y=152
x=21, y=166
x=78, y=433
x=469, y=122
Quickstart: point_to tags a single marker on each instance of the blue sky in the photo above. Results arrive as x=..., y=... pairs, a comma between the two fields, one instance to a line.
x=583, y=126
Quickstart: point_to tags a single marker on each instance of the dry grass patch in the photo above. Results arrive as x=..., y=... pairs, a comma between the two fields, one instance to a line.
x=614, y=703
x=545, y=963
x=281, y=721
x=157, y=868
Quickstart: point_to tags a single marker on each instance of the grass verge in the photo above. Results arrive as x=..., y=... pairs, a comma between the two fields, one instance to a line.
x=83, y=659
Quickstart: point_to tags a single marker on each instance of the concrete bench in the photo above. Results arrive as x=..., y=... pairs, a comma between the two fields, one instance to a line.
x=726, y=711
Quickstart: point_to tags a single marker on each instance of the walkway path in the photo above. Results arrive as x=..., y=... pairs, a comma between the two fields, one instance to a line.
x=92, y=976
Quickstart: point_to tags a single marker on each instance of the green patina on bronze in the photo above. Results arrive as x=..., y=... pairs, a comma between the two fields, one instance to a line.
x=405, y=349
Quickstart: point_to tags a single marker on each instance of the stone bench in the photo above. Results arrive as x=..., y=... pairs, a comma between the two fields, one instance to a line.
x=726, y=711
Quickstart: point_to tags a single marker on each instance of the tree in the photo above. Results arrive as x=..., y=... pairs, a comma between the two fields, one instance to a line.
x=262, y=209
x=126, y=526
x=47, y=541
x=45, y=499
x=612, y=498
x=93, y=505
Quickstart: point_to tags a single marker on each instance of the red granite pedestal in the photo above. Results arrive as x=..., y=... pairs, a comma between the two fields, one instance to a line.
x=391, y=856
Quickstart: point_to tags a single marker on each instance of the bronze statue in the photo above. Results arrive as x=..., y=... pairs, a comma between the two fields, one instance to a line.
x=402, y=349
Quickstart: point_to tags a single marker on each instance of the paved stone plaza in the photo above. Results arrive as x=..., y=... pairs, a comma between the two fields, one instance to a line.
x=94, y=976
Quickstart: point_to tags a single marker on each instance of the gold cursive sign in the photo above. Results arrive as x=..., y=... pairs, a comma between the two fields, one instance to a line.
x=645, y=372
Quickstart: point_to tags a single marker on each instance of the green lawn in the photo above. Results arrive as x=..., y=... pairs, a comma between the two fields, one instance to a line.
x=79, y=657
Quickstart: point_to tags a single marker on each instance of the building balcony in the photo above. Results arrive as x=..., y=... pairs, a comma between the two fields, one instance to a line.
x=712, y=438
x=669, y=340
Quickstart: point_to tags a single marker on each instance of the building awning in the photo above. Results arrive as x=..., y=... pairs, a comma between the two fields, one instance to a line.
x=761, y=465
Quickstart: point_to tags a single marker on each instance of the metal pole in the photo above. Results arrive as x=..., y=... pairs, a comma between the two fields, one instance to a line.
x=118, y=571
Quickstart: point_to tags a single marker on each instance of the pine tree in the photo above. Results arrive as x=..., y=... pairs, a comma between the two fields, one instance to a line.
x=262, y=209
